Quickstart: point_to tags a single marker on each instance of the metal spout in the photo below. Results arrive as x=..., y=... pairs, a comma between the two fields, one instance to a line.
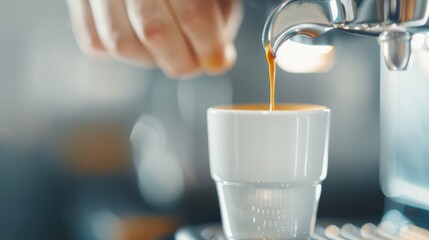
x=393, y=21
x=396, y=49
x=299, y=17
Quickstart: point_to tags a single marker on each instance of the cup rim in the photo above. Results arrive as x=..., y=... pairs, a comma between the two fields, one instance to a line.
x=311, y=108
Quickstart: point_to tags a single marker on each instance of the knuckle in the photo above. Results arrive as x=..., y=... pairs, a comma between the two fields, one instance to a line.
x=123, y=46
x=195, y=15
x=155, y=31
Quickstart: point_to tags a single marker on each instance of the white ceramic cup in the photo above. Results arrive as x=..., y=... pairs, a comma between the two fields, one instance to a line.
x=268, y=167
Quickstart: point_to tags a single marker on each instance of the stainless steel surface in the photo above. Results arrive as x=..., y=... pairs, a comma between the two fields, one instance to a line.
x=295, y=17
x=394, y=226
x=394, y=21
x=396, y=48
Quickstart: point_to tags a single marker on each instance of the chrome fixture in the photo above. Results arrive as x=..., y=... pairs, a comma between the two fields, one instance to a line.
x=393, y=21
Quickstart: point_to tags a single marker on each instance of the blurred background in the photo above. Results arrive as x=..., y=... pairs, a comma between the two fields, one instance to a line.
x=97, y=149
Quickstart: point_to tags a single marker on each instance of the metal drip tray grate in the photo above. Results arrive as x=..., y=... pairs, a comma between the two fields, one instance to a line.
x=393, y=227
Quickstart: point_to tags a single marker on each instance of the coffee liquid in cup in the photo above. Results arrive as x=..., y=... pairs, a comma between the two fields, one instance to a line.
x=280, y=106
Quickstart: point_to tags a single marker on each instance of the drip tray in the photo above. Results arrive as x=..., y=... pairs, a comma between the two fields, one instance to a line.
x=393, y=226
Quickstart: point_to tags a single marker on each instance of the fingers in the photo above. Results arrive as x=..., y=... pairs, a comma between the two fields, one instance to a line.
x=84, y=27
x=181, y=37
x=157, y=28
x=202, y=23
x=232, y=11
x=116, y=33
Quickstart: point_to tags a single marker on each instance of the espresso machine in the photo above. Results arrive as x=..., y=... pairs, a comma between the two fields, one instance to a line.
x=401, y=28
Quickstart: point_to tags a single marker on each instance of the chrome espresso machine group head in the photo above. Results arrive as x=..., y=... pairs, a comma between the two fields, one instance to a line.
x=394, y=22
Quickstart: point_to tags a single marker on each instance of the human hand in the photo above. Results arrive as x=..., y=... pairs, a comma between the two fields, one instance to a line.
x=182, y=37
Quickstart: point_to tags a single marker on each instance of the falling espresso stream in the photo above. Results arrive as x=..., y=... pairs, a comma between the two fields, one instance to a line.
x=272, y=70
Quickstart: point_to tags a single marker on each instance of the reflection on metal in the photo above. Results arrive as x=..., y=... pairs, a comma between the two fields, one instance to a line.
x=396, y=48
x=423, y=60
x=307, y=58
x=394, y=226
x=333, y=232
x=404, y=130
x=420, y=45
x=393, y=20
x=293, y=17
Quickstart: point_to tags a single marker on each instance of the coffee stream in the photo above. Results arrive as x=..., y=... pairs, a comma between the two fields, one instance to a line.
x=281, y=106
x=272, y=69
